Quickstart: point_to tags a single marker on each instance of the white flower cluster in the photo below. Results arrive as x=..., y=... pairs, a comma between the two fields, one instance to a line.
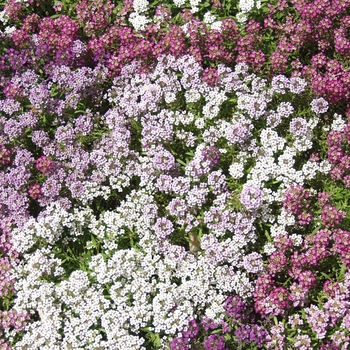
x=4, y=19
x=179, y=3
x=71, y=312
x=216, y=25
x=138, y=19
x=209, y=18
x=236, y=170
x=338, y=123
x=246, y=6
x=194, y=4
x=140, y=6
x=215, y=99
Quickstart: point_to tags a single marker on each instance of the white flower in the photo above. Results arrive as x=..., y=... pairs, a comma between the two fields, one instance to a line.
x=179, y=3
x=236, y=170
x=170, y=97
x=309, y=170
x=296, y=239
x=210, y=110
x=241, y=17
x=140, y=6
x=3, y=17
x=312, y=123
x=192, y=96
x=9, y=30
x=285, y=219
x=302, y=144
x=208, y=18
x=200, y=123
x=216, y=25
x=277, y=229
x=270, y=139
x=185, y=29
x=246, y=5
x=338, y=123
x=269, y=248
x=286, y=162
x=138, y=21
x=325, y=167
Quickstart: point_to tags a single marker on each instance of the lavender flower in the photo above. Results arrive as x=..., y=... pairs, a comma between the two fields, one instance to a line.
x=247, y=334
x=299, y=126
x=179, y=344
x=319, y=105
x=192, y=330
x=214, y=342
x=163, y=228
x=235, y=308
x=251, y=197
x=253, y=263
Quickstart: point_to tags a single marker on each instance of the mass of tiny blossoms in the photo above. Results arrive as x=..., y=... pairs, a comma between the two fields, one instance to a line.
x=174, y=176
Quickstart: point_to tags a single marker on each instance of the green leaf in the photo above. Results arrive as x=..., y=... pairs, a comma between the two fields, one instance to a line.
x=343, y=269
x=325, y=275
x=316, y=229
x=181, y=162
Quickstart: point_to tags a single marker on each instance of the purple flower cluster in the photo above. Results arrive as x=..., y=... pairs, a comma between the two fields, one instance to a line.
x=331, y=216
x=235, y=308
x=251, y=197
x=251, y=334
x=5, y=155
x=297, y=202
x=338, y=154
x=93, y=16
x=44, y=164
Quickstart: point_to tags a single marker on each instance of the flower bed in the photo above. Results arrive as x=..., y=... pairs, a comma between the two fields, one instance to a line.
x=174, y=175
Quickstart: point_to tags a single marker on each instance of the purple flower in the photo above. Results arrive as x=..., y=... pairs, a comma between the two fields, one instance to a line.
x=298, y=126
x=163, y=160
x=214, y=342
x=319, y=105
x=247, y=334
x=179, y=344
x=44, y=164
x=253, y=262
x=208, y=324
x=35, y=191
x=331, y=216
x=5, y=155
x=251, y=197
x=235, y=308
x=238, y=133
x=211, y=154
x=163, y=228
x=318, y=320
x=242, y=333
x=192, y=330
x=329, y=346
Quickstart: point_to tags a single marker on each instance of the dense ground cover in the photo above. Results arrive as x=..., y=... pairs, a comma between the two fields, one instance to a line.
x=174, y=175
